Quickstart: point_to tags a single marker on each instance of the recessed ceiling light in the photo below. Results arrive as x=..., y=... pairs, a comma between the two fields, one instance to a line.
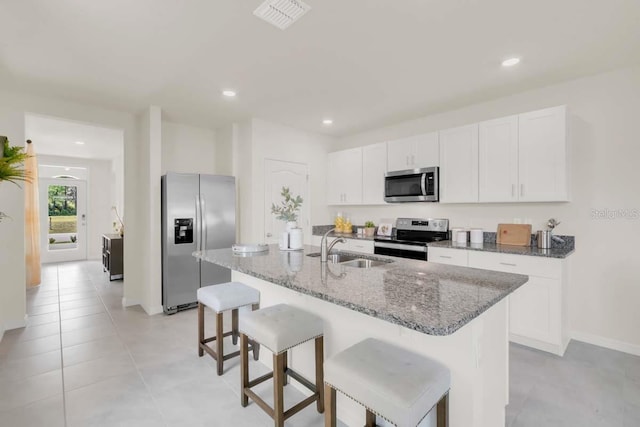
x=80, y=142
x=229, y=93
x=510, y=62
x=327, y=122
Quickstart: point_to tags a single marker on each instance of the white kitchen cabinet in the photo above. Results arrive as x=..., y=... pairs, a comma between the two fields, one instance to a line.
x=419, y=151
x=344, y=177
x=498, y=160
x=459, y=165
x=537, y=315
x=448, y=256
x=359, y=245
x=537, y=309
x=542, y=156
x=374, y=166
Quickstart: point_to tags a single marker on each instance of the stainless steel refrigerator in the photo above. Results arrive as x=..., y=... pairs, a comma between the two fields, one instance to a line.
x=198, y=213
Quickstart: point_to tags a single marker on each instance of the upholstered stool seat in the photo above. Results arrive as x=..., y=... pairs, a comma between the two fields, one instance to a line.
x=280, y=328
x=221, y=298
x=396, y=384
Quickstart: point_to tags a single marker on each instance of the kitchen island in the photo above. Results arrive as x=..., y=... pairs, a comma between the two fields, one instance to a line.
x=453, y=314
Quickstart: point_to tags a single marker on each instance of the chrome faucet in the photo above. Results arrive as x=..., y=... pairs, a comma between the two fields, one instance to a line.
x=325, y=249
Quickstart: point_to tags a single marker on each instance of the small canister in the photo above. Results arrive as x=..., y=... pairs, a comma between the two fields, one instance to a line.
x=544, y=239
x=476, y=236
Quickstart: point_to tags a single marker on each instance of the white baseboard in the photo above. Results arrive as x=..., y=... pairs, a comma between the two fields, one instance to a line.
x=130, y=302
x=13, y=324
x=606, y=342
x=152, y=310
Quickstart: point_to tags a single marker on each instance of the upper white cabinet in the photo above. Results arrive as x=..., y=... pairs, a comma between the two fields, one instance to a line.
x=498, y=158
x=374, y=166
x=459, y=165
x=414, y=152
x=344, y=177
x=542, y=156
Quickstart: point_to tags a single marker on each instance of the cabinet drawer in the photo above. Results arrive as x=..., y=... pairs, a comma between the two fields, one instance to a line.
x=519, y=264
x=364, y=246
x=448, y=256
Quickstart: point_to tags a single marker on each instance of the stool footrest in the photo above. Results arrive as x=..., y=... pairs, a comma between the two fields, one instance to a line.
x=300, y=406
x=261, y=403
x=261, y=379
x=208, y=340
x=213, y=353
x=305, y=382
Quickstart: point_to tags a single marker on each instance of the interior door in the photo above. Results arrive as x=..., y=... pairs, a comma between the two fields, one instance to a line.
x=279, y=174
x=63, y=219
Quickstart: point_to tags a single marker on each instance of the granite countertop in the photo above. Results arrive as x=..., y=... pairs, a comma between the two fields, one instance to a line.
x=554, y=252
x=432, y=298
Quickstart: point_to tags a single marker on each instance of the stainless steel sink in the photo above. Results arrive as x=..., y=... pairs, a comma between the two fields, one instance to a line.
x=364, y=263
x=352, y=260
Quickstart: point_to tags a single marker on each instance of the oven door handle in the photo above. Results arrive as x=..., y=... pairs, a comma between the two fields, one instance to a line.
x=412, y=248
x=423, y=184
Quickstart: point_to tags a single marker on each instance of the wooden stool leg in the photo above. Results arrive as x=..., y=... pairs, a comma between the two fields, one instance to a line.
x=443, y=411
x=244, y=369
x=278, y=390
x=330, y=411
x=320, y=373
x=285, y=356
x=256, y=346
x=200, y=328
x=370, y=420
x=234, y=326
x=219, y=341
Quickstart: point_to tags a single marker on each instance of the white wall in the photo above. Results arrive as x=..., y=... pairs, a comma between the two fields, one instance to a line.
x=605, y=149
x=12, y=123
x=100, y=190
x=188, y=149
x=259, y=140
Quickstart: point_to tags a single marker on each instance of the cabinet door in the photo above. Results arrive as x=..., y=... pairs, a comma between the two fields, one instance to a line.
x=459, y=165
x=534, y=310
x=498, y=160
x=427, y=150
x=542, y=155
x=399, y=154
x=344, y=177
x=374, y=166
x=448, y=256
x=357, y=245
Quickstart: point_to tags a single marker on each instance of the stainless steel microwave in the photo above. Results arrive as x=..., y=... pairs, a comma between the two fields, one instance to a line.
x=413, y=185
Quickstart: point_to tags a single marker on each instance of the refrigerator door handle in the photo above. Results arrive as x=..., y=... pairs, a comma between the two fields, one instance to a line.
x=197, y=224
x=203, y=222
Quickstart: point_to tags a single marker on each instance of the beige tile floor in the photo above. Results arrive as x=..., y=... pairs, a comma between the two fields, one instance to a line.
x=83, y=360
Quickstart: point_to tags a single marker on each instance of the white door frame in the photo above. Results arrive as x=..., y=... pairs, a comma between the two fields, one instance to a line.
x=63, y=255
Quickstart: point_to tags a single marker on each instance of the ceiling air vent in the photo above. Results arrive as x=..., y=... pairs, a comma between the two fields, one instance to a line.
x=281, y=13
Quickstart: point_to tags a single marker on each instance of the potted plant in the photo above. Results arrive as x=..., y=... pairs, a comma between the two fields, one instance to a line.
x=288, y=209
x=369, y=229
x=11, y=161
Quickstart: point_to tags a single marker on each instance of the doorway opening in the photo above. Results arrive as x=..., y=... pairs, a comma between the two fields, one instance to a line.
x=80, y=186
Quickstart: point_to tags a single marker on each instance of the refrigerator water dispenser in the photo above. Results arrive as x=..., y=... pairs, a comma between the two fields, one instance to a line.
x=183, y=230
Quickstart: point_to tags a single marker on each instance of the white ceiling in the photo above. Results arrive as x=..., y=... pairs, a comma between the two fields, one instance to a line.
x=365, y=63
x=56, y=137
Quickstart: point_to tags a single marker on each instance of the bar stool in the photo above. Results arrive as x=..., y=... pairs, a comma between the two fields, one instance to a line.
x=398, y=385
x=279, y=328
x=221, y=298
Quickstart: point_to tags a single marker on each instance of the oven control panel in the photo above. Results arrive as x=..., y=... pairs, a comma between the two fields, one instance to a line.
x=418, y=224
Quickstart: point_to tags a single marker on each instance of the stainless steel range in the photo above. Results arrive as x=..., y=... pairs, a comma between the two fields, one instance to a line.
x=411, y=237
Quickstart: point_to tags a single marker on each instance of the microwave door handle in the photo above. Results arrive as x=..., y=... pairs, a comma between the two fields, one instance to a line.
x=423, y=184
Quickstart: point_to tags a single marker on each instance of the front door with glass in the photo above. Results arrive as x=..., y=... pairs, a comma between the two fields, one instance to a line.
x=63, y=216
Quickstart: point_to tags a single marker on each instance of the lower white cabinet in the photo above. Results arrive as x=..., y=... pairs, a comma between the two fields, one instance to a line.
x=448, y=256
x=353, y=245
x=537, y=310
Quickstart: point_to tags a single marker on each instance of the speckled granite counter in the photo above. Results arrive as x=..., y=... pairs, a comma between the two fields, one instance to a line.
x=430, y=298
x=554, y=252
